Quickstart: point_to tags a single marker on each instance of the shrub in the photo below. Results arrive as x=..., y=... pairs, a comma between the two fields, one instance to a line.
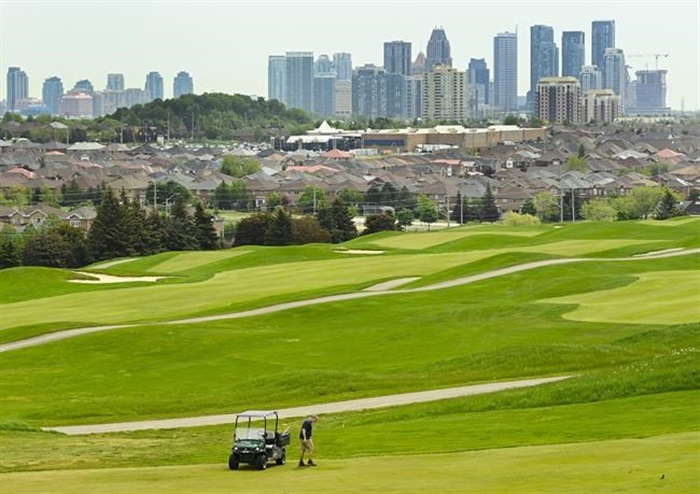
x=516, y=219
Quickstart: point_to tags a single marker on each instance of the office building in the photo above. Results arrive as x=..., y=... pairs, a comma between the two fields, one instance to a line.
x=51, y=93
x=600, y=105
x=84, y=85
x=559, y=99
x=478, y=85
x=602, y=38
x=323, y=65
x=444, y=94
x=369, y=91
x=342, y=66
x=544, y=58
x=505, y=71
x=115, y=82
x=17, y=87
x=419, y=64
x=397, y=57
x=615, y=75
x=651, y=92
x=395, y=95
x=573, y=53
x=276, y=77
x=343, y=99
x=299, y=80
x=438, y=50
x=414, y=96
x=154, y=86
x=182, y=84
x=324, y=94
x=590, y=78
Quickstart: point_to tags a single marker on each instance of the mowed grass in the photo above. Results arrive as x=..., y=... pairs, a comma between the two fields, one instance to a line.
x=190, y=260
x=670, y=297
x=664, y=463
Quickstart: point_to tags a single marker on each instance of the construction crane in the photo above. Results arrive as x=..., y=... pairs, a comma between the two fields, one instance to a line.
x=655, y=55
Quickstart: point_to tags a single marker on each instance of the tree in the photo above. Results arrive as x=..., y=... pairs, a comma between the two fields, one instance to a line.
x=529, y=207
x=512, y=218
x=205, y=232
x=404, y=218
x=427, y=210
x=668, y=206
x=645, y=199
x=545, y=204
x=165, y=191
x=311, y=200
x=10, y=252
x=239, y=166
x=581, y=151
x=489, y=210
x=251, y=230
x=575, y=163
x=380, y=223
x=598, y=210
x=279, y=230
x=307, y=230
x=181, y=230
x=109, y=236
x=47, y=248
x=273, y=199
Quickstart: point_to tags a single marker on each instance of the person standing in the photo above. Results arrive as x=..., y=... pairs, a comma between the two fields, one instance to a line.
x=307, y=443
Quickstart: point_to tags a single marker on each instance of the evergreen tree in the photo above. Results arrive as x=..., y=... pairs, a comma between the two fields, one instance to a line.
x=10, y=253
x=279, y=231
x=667, y=207
x=76, y=242
x=49, y=249
x=180, y=234
x=344, y=226
x=380, y=223
x=155, y=230
x=307, y=230
x=489, y=210
x=251, y=230
x=529, y=207
x=204, y=229
x=108, y=237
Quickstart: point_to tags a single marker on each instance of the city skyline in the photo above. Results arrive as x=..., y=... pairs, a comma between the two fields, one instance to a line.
x=226, y=56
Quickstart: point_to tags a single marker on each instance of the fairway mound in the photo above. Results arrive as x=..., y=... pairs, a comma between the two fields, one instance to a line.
x=658, y=252
x=107, y=278
x=350, y=251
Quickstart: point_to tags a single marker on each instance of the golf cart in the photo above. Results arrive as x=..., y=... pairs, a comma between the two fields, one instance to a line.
x=257, y=440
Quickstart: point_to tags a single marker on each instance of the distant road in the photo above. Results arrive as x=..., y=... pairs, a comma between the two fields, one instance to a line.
x=70, y=333
x=335, y=407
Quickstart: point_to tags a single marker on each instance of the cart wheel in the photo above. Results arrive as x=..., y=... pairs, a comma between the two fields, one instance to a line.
x=233, y=462
x=261, y=462
x=283, y=458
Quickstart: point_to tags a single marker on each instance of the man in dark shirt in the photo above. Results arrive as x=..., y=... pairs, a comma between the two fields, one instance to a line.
x=307, y=443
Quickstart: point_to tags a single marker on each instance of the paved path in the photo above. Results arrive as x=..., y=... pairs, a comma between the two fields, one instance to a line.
x=60, y=335
x=336, y=407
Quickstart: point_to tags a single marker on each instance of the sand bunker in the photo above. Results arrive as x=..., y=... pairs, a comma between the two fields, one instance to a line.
x=360, y=251
x=107, y=278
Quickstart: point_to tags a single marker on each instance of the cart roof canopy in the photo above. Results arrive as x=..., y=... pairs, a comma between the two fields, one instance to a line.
x=257, y=413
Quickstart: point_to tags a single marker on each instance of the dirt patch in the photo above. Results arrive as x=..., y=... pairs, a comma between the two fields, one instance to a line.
x=108, y=278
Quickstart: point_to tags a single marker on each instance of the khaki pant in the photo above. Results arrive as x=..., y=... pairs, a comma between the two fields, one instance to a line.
x=307, y=447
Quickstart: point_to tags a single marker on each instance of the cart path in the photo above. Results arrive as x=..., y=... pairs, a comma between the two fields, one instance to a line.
x=61, y=335
x=335, y=407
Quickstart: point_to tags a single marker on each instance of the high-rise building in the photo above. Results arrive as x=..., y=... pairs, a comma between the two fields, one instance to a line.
x=419, y=64
x=438, y=50
x=505, y=71
x=615, y=75
x=559, y=99
x=343, y=99
x=110, y=101
x=369, y=91
x=590, y=78
x=299, y=80
x=84, y=85
x=17, y=87
x=397, y=57
x=600, y=105
x=182, y=84
x=77, y=104
x=154, y=86
x=342, y=66
x=324, y=94
x=414, y=96
x=134, y=96
x=51, y=93
x=115, y=82
x=395, y=95
x=544, y=58
x=323, y=65
x=478, y=78
x=276, y=77
x=602, y=38
x=444, y=94
x=651, y=91
x=573, y=53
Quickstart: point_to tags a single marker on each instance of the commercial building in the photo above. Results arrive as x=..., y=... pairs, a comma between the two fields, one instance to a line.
x=299, y=80
x=615, y=75
x=602, y=38
x=324, y=94
x=182, y=84
x=276, y=78
x=505, y=71
x=343, y=99
x=115, y=82
x=544, y=58
x=17, y=87
x=369, y=91
x=559, y=99
x=438, y=51
x=397, y=57
x=573, y=53
x=154, y=86
x=51, y=93
x=342, y=66
x=590, y=78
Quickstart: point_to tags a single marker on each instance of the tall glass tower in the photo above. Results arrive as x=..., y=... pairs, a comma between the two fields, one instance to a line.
x=602, y=38
x=397, y=57
x=505, y=71
x=544, y=58
x=573, y=53
x=276, y=77
x=115, y=82
x=299, y=79
x=51, y=93
x=17, y=87
x=438, y=50
x=182, y=84
x=154, y=86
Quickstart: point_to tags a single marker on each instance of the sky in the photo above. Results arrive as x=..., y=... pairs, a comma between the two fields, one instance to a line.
x=224, y=45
